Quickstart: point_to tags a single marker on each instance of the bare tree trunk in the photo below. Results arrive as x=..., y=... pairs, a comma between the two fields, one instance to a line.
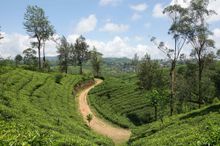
x=66, y=68
x=173, y=84
x=200, y=84
x=39, y=59
x=44, y=58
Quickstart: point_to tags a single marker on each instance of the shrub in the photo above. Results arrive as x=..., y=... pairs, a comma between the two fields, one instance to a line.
x=89, y=117
x=58, y=78
x=215, y=100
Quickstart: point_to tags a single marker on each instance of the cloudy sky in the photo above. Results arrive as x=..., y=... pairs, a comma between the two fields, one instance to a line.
x=117, y=28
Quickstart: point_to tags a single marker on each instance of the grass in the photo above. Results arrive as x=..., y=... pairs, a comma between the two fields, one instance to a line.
x=35, y=110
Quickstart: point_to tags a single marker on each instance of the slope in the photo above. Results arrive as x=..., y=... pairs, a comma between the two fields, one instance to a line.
x=36, y=110
x=120, y=101
x=200, y=127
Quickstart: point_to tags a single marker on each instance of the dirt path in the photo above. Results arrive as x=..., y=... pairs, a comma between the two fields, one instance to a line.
x=118, y=135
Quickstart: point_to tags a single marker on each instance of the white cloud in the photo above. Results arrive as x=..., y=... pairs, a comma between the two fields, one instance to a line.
x=183, y=3
x=86, y=24
x=216, y=37
x=118, y=47
x=121, y=47
x=158, y=11
x=136, y=16
x=138, y=38
x=139, y=7
x=109, y=2
x=15, y=43
x=114, y=28
x=72, y=38
x=215, y=5
x=216, y=32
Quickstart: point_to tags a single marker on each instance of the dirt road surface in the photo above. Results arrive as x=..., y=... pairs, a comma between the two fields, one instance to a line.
x=118, y=135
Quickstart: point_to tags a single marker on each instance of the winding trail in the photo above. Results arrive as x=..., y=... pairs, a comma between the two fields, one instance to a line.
x=118, y=135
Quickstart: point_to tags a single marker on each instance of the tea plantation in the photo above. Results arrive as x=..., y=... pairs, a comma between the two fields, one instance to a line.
x=120, y=101
x=41, y=109
x=118, y=98
x=36, y=110
x=198, y=128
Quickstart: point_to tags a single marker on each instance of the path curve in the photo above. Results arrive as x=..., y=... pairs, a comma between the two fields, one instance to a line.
x=118, y=135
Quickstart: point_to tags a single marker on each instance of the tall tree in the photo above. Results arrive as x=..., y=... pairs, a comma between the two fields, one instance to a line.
x=177, y=31
x=30, y=57
x=96, y=60
x=64, y=53
x=18, y=59
x=155, y=98
x=148, y=73
x=37, y=27
x=80, y=52
x=198, y=37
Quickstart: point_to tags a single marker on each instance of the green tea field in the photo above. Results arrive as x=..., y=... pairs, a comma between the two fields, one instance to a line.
x=35, y=110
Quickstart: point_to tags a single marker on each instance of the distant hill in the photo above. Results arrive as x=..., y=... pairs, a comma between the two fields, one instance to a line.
x=107, y=60
x=52, y=58
x=111, y=60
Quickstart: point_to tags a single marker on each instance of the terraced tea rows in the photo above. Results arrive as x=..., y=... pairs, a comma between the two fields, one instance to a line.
x=121, y=102
x=34, y=109
x=197, y=128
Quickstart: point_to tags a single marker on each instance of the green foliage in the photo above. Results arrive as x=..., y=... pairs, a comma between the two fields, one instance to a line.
x=18, y=59
x=47, y=66
x=58, y=78
x=197, y=128
x=80, y=52
x=6, y=62
x=96, y=60
x=35, y=110
x=30, y=58
x=149, y=73
x=120, y=101
x=38, y=26
x=17, y=134
x=216, y=100
x=64, y=52
x=89, y=117
x=155, y=97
